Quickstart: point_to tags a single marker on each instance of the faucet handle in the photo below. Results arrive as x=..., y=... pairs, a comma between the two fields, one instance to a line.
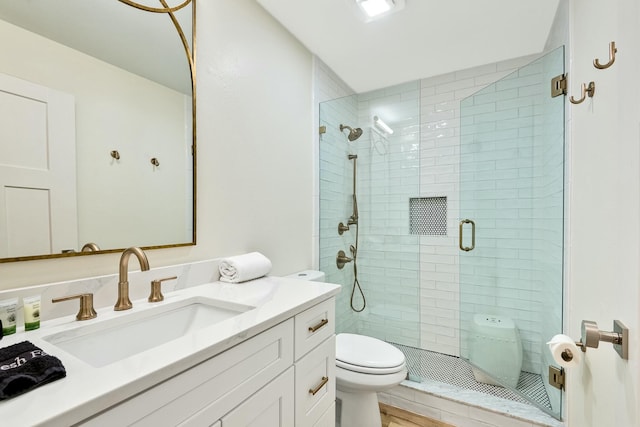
x=86, y=311
x=156, y=291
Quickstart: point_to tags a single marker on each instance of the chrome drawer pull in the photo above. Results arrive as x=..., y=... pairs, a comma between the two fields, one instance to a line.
x=324, y=381
x=319, y=325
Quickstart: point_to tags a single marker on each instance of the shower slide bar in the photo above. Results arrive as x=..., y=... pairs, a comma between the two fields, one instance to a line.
x=353, y=219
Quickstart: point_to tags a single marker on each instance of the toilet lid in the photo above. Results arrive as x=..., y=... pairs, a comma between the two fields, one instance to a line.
x=366, y=354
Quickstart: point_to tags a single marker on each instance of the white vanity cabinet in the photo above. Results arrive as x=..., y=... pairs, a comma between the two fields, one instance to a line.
x=282, y=377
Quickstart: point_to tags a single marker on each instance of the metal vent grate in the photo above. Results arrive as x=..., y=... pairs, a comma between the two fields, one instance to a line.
x=428, y=216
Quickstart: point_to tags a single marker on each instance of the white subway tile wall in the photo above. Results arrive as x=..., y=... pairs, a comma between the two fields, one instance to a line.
x=388, y=176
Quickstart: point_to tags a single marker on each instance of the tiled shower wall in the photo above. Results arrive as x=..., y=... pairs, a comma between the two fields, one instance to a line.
x=388, y=176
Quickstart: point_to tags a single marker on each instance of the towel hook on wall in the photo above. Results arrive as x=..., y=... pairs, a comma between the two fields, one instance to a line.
x=586, y=90
x=612, y=57
x=115, y=154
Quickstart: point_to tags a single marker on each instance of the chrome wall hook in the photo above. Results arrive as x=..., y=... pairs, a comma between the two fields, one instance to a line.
x=115, y=154
x=612, y=58
x=155, y=161
x=586, y=90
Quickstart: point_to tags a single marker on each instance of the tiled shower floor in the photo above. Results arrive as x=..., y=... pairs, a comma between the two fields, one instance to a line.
x=424, y=364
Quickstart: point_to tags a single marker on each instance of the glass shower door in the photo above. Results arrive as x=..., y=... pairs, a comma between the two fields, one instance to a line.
x=511, y=229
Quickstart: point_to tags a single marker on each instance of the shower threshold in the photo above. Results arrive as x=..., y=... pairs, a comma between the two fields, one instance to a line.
x=427, y=369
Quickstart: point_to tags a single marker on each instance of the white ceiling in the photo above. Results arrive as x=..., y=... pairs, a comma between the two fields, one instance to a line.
x=427, y=38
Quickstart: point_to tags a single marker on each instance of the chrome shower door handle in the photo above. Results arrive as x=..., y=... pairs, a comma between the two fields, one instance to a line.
x=473, y=235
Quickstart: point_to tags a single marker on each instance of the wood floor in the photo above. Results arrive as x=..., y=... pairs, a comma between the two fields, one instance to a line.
x=396, y=417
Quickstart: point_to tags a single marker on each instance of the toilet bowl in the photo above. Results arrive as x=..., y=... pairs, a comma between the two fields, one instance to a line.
x=496, y=349
x=365, y=366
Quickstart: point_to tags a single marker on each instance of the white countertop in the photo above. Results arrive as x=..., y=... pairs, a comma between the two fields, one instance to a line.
x=87, y=390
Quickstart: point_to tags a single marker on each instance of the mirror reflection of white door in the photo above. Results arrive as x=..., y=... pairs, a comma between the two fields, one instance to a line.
x=38, y=207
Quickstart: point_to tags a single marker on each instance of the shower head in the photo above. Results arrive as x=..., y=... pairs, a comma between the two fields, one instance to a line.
x=353, y=133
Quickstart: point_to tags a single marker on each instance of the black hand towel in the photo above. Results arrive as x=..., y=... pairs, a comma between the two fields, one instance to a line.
x=23, y=367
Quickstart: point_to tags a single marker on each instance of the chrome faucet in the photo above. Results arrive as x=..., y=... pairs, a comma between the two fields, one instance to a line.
x=124, y=303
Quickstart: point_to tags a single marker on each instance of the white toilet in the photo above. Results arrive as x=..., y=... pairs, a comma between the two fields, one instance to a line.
x=495, y=347
x=365, y=366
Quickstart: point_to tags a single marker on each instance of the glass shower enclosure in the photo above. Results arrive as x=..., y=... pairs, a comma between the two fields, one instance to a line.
x=506, y=164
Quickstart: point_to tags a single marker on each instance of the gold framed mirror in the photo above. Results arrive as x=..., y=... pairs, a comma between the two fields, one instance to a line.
x=98, y=111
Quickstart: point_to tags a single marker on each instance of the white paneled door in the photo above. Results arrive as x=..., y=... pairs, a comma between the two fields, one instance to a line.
x=38, y=208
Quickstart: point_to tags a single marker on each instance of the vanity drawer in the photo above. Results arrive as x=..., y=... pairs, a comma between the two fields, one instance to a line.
x=313, y=326
x=204, y=393
x=315, y=383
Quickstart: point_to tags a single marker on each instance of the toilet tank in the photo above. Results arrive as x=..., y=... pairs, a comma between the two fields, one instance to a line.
x=311, y=275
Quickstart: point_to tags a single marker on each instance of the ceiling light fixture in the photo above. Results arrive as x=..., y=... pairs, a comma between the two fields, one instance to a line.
x=374, y=9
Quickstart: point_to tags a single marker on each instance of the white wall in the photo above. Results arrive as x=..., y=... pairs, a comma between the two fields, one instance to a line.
x=604, y=213
x=254, y=151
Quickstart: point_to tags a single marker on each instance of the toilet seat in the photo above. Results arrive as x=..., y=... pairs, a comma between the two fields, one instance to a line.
x=367, y=355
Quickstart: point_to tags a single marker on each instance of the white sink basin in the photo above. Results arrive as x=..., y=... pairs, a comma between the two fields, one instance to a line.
x=115, y=339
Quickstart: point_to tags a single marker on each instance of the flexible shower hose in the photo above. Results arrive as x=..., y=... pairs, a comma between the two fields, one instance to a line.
x=356, y=283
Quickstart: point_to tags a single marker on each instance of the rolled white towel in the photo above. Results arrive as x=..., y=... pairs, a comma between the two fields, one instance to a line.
x=245, y=267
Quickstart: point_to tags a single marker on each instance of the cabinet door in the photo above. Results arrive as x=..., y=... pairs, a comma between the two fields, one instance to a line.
x=328, y=419
x=271, y=406
x=315, y=383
